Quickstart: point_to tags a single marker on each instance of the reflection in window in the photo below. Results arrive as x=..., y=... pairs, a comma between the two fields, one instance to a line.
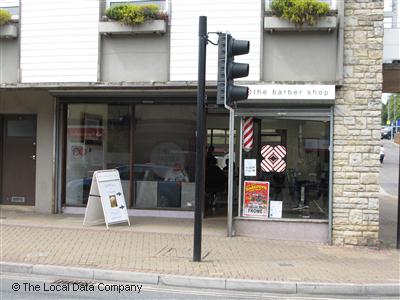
x=97, y=139
x=164, y=151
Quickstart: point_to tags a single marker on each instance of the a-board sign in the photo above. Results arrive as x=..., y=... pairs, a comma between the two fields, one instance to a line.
x=256, y=199
x=106, y=203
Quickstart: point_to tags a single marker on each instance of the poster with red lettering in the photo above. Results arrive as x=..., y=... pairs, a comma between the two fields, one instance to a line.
x=256, y=199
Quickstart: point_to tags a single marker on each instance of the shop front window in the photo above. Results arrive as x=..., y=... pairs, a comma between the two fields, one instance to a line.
x=286, y=174
x=164, y=156
x=97, y=138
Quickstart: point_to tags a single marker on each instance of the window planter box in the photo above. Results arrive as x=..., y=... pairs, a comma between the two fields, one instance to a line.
x=9, y=31
x=113, y=27
x=274, y=23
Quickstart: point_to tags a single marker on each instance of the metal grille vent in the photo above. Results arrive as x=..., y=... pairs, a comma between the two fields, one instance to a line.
x=77, y=282
x=18, y=199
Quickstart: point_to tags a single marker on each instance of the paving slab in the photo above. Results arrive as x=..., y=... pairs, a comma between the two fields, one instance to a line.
x=165, y=257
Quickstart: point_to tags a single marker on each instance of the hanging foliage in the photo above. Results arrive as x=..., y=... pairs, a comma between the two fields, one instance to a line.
x=300, y=11
x=132, y=14
x=5, y=17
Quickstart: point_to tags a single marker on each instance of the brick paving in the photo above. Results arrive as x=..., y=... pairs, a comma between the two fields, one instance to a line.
x=123, y=248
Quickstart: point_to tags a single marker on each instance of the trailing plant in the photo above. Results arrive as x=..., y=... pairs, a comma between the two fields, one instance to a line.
x=300, y=11
x=132, y=14
x=5, y=17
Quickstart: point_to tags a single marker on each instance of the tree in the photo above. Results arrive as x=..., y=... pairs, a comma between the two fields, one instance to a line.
x=384, y=113
x=394, y=107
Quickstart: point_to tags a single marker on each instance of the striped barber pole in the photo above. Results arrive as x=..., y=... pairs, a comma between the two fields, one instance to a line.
x=248, y=133
x=273, y=158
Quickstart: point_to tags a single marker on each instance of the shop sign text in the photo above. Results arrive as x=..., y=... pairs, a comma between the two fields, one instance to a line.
x=288, y=91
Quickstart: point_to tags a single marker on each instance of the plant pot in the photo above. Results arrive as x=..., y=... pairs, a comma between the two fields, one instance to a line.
x=274, y=23
x=117, y=28
x=9, y=31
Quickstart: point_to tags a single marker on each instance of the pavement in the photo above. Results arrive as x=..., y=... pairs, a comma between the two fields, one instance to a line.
x=158, y=251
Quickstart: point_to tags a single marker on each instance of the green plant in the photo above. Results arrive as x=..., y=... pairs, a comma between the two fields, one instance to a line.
x=132, y=14
x=300, y=11
x=5, y=17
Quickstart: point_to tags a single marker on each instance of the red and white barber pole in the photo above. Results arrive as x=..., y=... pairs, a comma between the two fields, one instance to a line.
x=248, y=134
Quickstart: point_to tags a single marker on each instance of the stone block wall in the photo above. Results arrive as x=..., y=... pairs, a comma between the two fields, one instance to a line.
x=357, y=119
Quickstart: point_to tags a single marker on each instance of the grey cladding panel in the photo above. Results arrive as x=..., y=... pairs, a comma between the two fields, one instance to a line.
x=137, y=58
x=299, y=56
x=9, y=53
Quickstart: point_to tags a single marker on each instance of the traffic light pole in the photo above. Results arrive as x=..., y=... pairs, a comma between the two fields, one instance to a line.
x=231, y=170
x=200, y=139
x=228, y=93
x=398, y=211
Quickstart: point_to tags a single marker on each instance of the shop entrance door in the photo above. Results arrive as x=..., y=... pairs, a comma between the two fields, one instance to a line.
x=18, y=159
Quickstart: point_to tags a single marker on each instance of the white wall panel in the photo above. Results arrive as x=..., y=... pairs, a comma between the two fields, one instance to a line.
x=9, y=3
x=241, y=18
x=59, y=40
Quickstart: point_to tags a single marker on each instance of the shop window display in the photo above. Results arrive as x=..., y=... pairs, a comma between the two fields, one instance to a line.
x=96, y=140
x=156, y=147
x=293, y=157
x=165, y=146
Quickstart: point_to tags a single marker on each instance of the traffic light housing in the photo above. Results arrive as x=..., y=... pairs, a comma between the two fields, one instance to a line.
x=227, y=92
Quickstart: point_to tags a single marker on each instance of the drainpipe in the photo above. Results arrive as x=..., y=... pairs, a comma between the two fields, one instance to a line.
x=330, y=219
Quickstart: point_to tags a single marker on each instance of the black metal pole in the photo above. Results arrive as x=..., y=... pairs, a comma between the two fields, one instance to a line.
x=398, y=207
x=200, y=139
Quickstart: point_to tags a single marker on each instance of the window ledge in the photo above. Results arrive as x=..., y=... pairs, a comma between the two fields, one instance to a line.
x=274, y=23
x=282, y=220
x=9, y=31
x=117, y=28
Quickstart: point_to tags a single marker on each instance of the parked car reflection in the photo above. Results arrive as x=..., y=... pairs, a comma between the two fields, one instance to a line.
x=77, y=190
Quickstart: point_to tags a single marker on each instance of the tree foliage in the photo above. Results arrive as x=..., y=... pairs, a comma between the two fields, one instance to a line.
x=5, y=17
x=389, y=111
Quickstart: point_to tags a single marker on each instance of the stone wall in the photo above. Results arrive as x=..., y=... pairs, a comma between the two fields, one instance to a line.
x=357, y=127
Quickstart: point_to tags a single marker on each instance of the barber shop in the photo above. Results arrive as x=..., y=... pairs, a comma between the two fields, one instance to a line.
x=281, y=159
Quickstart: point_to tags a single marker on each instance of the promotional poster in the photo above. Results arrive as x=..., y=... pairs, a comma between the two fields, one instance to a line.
x=256, y=199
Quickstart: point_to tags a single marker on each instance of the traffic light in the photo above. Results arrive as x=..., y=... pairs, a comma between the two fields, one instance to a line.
x=228, y=70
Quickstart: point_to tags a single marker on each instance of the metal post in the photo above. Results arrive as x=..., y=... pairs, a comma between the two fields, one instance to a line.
x=330, y=191
x=240, y=165
x=395, y=115
x=398, y=208
x=200, y=139
x=231, y=171
x=388, y=108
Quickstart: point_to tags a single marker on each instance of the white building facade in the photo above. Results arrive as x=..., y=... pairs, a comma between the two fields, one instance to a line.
x=80, y=93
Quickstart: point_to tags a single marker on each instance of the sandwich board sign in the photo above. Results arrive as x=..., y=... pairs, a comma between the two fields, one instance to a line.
x=106, y=203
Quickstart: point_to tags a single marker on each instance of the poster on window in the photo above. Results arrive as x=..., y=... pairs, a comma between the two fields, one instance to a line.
x=256, y=198
x=275, y=209
x=250, y=167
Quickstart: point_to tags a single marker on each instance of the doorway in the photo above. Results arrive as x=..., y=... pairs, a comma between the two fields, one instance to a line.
x=18, y=159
